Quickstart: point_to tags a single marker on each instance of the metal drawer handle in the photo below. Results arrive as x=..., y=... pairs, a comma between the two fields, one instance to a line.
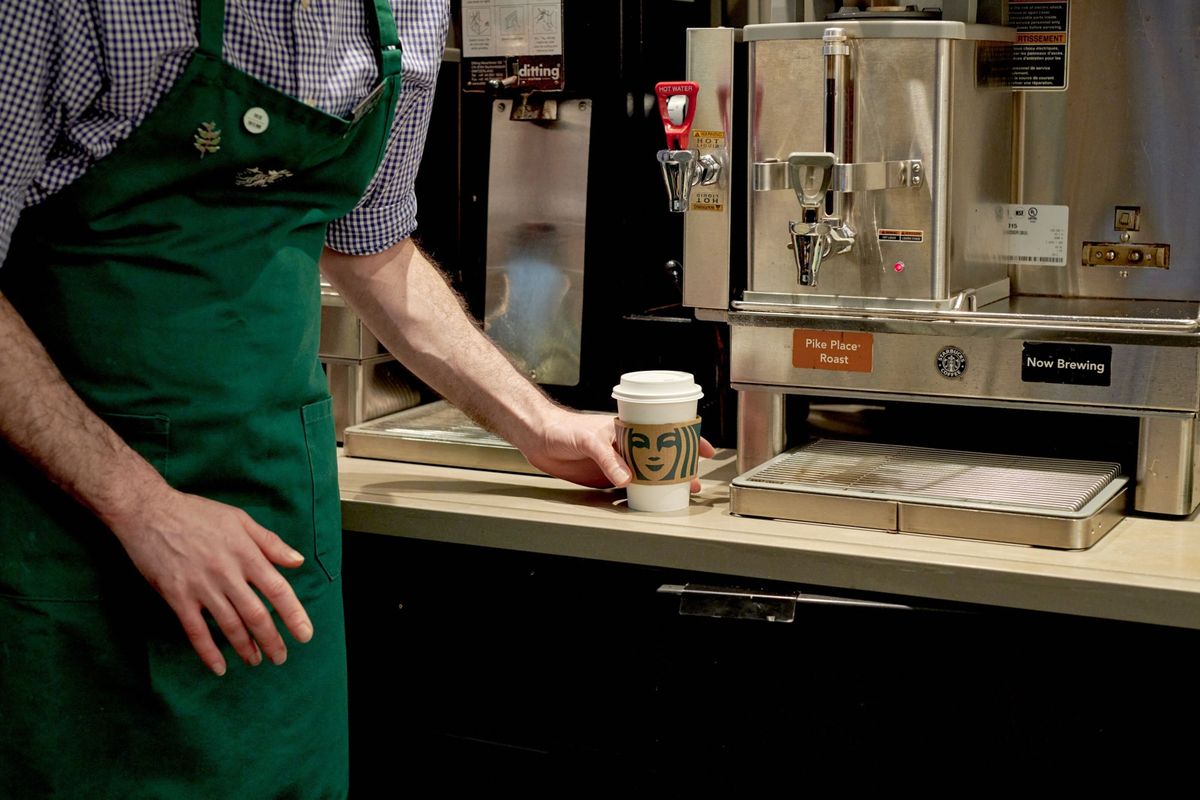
x=731, y=603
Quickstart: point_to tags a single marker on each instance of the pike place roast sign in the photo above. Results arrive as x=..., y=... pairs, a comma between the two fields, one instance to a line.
x=843, y=351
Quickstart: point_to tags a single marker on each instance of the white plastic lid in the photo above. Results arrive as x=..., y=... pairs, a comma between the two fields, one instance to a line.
x=657, y=386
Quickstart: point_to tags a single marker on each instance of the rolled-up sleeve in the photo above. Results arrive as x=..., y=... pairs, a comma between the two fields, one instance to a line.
x=387, y=212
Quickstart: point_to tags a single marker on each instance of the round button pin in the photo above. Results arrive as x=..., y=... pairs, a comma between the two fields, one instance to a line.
x=256, y=120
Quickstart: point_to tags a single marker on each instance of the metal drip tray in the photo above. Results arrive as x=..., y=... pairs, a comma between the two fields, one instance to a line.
x=1023, y=500
x=435, y=433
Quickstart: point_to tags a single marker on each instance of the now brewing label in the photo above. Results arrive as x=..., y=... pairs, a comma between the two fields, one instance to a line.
x=1076, y=364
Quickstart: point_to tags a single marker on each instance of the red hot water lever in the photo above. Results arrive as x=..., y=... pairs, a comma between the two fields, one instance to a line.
x=677, y=106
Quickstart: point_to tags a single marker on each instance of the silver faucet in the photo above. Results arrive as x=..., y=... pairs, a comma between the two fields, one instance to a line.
x=815, y=236
x=682, y=167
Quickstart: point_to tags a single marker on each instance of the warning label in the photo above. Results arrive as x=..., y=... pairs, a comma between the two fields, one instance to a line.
x=1039, y=58
x=899, y=235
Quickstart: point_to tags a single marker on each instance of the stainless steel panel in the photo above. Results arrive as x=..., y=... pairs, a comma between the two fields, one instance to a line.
x=761, y=433
x=1123, y=133
x=827, y=509
x=367, y=389
x=537, y=205
x=342, y=333
x=1029, y=529
x=706, y=225
x=913, y=98
x=1143, y=377
x=1168, y=451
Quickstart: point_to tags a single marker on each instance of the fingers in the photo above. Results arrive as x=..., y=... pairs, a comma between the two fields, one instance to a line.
x=196, y=630
x=248, y=612
x=274, y=587
x=610, y=464
x=275, y=549
x=600, y=448
x=232, y=619
x=280, y=595
x=706, y=451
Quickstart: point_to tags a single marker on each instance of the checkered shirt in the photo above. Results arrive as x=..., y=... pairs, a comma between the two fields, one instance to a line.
x=78, y=76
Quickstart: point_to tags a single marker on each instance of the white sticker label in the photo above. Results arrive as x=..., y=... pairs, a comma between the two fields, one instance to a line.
x=1033, y=234
x=1011, y=234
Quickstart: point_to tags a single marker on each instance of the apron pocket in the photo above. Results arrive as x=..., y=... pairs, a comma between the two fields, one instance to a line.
x=321, y=443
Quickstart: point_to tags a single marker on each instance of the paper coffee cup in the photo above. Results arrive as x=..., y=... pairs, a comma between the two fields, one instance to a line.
x=658, y=435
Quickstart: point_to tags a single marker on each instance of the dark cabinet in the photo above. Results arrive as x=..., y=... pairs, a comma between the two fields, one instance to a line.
x=478, y=667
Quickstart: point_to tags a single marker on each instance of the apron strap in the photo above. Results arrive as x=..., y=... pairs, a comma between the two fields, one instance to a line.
x=211, y=34
x=389, y=40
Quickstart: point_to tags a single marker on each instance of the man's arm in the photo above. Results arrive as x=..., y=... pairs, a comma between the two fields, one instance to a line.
x=199, y=554
x=407, y=304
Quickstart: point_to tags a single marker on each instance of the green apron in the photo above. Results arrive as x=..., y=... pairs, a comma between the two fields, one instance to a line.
x=176, y=287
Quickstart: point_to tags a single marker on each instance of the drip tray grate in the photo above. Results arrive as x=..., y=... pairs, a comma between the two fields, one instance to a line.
x=1049, y=502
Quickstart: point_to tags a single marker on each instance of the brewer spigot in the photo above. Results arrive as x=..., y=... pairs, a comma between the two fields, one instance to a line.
x=682, y=167
x=815, y=236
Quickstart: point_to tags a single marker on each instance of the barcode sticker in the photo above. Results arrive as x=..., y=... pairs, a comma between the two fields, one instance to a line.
x=1002, y=233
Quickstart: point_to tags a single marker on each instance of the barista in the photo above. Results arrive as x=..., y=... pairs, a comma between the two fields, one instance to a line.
x=160, y=393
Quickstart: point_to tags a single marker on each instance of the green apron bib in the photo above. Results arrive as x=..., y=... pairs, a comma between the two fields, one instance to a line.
x=176, y=287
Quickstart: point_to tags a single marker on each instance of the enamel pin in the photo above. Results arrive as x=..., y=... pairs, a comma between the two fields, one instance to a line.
x=207, y=139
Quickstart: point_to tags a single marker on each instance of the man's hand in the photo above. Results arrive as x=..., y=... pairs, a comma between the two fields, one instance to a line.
x=579, y=448
x=201, y=555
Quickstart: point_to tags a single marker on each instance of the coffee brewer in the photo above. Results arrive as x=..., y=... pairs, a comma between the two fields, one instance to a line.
x=962, y=216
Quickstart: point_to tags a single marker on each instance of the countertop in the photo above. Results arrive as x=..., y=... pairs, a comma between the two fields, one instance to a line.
x=1145, y=570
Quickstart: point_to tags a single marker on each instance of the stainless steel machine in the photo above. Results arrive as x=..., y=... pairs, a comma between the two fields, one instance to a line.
x=999, y=216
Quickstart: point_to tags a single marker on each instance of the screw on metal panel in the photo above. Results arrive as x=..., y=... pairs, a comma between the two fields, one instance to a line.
x=500, y=106
x=583, y=105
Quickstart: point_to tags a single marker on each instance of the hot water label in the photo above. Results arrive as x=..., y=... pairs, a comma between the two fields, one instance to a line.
x=842, y=351
x=1075, y=364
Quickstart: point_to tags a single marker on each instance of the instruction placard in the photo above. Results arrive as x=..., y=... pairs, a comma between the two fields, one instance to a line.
x=519, y=39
